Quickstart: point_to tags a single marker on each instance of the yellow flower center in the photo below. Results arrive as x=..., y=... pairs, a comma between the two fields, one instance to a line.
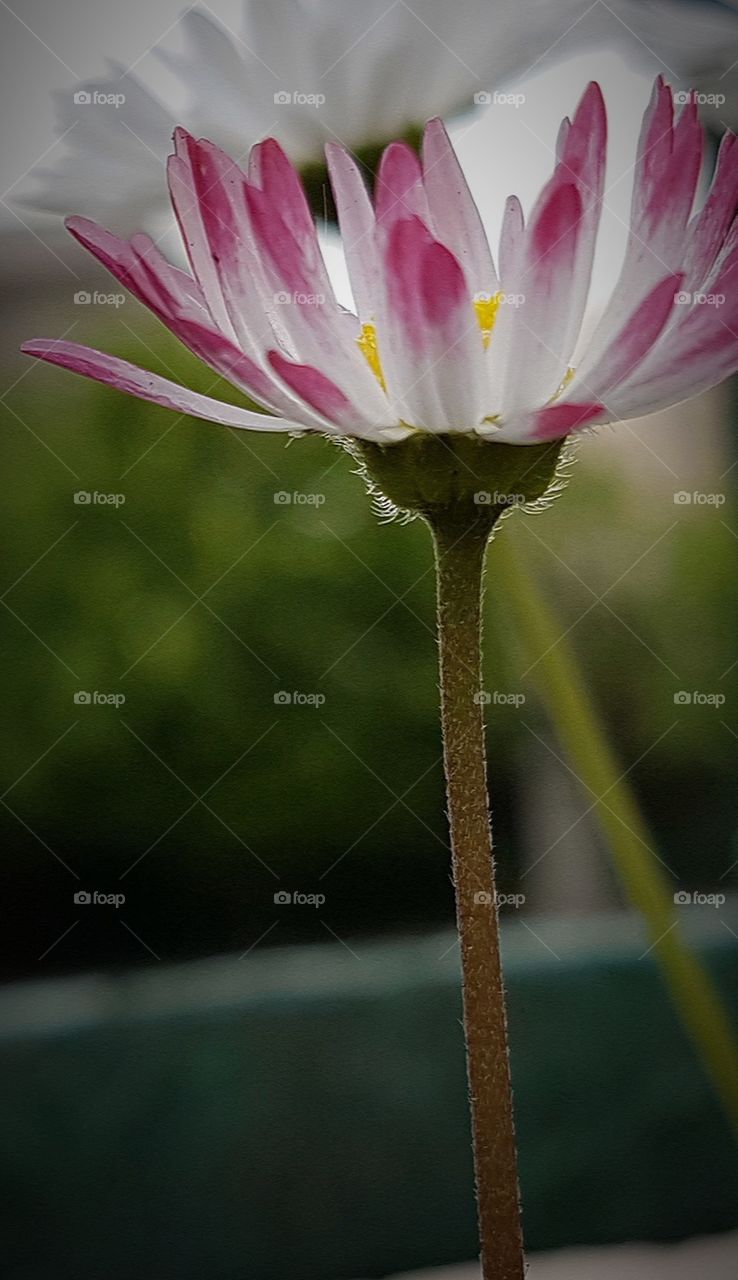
x=368, y=347
x=486, y=311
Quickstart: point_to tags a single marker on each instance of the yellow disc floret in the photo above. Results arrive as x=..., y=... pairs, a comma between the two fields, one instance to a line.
x=368, y=347
x=486, y=309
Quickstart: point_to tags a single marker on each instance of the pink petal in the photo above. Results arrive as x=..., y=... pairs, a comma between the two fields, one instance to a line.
x=120, y=257
x=534, y=334
x=630, y=347
x=454, y=217
x=429, y=341
x=316, y=390
x=149, y=386
x=667, y=170
x=271, y=171
x=711, y=225
x=177, y=301
x=693, y=355
x=399, y=191
x=183, y=192
x=559, y=420
x=582, y=146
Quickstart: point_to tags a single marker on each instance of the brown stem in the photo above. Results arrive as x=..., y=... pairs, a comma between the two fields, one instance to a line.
x=460, y=543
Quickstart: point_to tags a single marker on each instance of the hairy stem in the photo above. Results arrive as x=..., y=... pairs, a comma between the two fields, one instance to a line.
x=460, y=544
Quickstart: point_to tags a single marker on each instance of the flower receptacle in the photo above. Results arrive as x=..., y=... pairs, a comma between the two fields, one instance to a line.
x=427, y=474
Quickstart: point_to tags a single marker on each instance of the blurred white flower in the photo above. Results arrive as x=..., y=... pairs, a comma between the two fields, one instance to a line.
x=359, y=72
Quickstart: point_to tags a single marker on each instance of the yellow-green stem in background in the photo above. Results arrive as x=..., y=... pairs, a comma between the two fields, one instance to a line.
x=581, y=733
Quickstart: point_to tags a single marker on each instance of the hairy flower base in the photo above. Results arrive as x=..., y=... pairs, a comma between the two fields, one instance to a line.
x=481, y=479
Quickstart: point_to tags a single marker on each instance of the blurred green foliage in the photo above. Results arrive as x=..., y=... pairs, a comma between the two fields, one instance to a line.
x=200, y=598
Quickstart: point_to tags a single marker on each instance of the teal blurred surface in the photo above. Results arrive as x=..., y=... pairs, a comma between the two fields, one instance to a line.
x=302, y=1112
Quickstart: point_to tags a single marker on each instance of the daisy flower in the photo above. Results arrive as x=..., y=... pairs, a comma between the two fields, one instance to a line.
x=445, y=339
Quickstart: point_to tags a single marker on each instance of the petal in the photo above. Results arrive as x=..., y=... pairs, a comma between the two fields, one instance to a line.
x=429, y=343
x=149, y=386
x=511, y=239
x=321, y=394
x=630, y=347
x=454, y=217
x=356, y=220
x=178, y=302
x=120, y=258
x=693, y=355
x=187, y=210
x=667, y=170
x=269, y=283
x=711, y=225
x=558, y=420
x=271, y=171
x=533, y=335
x=399, y=191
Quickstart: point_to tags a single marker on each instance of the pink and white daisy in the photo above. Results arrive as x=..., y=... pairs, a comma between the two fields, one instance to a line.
x=444, y=340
